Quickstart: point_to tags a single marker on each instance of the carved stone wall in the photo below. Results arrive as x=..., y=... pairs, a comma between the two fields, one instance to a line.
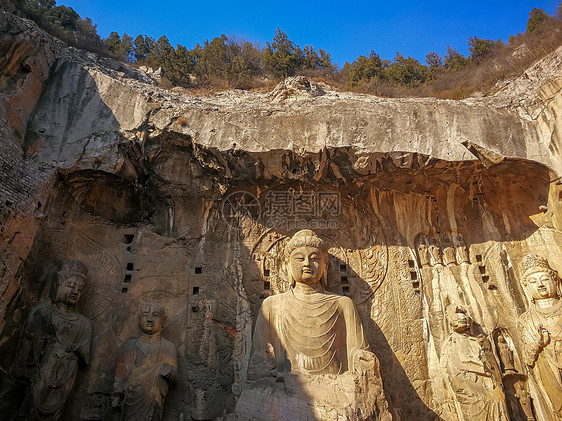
x=213, y=262
x=423, y=204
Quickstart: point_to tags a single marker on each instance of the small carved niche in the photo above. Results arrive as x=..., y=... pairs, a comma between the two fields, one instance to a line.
x=484, y=273
x=128, y=238
x=343, y=277
x=128, y=278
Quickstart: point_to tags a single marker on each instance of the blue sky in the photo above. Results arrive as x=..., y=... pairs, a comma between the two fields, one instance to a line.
x=345, y=29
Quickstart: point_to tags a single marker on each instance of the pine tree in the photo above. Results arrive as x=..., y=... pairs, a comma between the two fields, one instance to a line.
x=282, y=57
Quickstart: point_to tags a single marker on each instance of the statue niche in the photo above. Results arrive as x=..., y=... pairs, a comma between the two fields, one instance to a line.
x=311, y=341
x=55, y=343
x=472, y=371
x=146, y=367
x=541, y=327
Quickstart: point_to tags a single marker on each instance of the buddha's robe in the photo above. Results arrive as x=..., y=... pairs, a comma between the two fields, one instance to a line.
x=138, y=378
x=53, y=345
x=310, y=333
x=548, y=365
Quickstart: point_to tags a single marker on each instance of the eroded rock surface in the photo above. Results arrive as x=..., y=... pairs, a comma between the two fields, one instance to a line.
x=187, y=201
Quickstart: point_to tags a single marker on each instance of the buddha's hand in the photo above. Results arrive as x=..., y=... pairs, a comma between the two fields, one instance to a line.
x=543, y=337
x=72, y=347
x=116, y=400
x=165, y=371
x=362, y=361
x=532, y=351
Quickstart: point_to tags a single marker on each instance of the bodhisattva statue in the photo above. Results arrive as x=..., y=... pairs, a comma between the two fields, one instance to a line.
x=473, y=373
x=314, y=335
x=541, y=326
x=55, y=343
x=146, y=367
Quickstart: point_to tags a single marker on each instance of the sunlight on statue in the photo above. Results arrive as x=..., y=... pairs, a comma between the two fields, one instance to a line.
x=541, y=326
x=312, y=341
x=307, y=328
x=472, y=370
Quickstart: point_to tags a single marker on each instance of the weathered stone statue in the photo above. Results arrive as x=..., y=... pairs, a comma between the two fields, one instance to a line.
x=146, y=367
x=55, y=342
x=435, y=253
x=424, y=254
x=313, y=341
x=473, y=374
x=541, y=327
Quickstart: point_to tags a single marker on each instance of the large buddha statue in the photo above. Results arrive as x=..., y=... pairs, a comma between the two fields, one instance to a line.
x=309, y=336
x=55, y=343
x=541, y=327
x=309, y=329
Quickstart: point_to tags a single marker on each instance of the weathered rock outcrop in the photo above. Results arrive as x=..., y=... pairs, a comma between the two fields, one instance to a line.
x=186, y=200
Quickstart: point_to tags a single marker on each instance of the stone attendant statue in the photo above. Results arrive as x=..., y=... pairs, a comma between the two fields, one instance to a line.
x=541, y=326
x=54, y=344
x=146, y=367
x=473, y=373
x=313, y=337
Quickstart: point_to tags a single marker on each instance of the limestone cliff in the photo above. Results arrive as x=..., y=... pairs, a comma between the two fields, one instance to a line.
x=185, y=199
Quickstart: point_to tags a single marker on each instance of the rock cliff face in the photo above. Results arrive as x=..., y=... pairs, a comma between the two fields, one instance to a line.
x=186, y=200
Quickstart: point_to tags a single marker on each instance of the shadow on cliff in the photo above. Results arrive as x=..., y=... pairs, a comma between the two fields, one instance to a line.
x=70, y=127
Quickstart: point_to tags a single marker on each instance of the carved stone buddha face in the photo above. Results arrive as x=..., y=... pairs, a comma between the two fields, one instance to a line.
x=541, y=285
x=150, y=318
x=70, y=289
x=307, y=265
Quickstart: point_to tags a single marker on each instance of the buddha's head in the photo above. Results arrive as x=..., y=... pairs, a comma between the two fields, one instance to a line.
x=306, y=258
x=538, y=278
x=458, y=318
x=70, y=282
x=151, y=318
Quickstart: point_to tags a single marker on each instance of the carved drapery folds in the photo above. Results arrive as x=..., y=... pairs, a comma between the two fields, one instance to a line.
x=54, y=345
x=472, y=371
x=145, y=369
x=308, y=341
x=541, y=328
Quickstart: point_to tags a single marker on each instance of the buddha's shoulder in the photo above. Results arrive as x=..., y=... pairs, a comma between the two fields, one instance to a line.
x=168, y=345
x=273, y=300
x=344, y=301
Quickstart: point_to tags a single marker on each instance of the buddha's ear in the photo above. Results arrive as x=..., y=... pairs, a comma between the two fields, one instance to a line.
x=287, y=274
x=326, y=265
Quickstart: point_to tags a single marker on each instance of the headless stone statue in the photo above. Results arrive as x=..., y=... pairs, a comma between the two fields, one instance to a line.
x=55, y=343
x=473, y=374
x=313, y=341
x=541, y=326
x=146, y=367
